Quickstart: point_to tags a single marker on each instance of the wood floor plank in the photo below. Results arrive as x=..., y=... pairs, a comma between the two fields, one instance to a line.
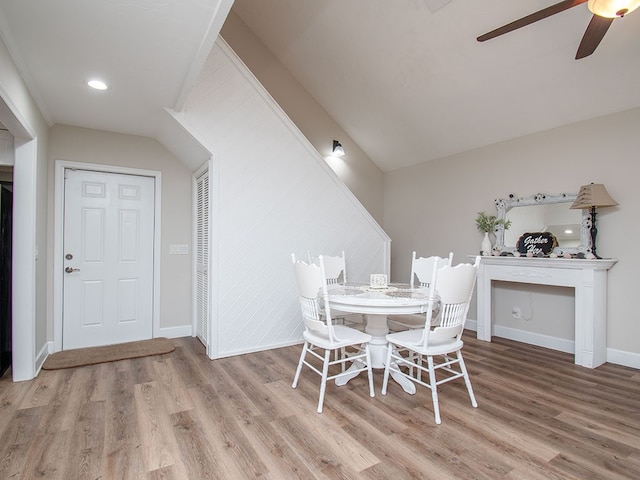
x=72, y=390
x=105, y=374
x=396, y=459
x=188, y=359
x=86, y=455
x=165, y=473
x=123, y=444
x=250, y=392
x=43, y=459
x=318, y=450
x=16, y=440
x=234, y=453
x=435, y=445
x=11, y=397
x=40, y=390
x=198, y=459
x=543, y=394
x=353, y=404
x=504, y=437
x=544, y=472
x=155, y=428
x=591, y=451
x=182, y=415
x=614, y=469
x=176, y=395
x=125, y=461
x=279, y=458
x=617, y=433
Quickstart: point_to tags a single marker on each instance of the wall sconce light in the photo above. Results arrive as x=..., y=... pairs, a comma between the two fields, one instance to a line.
x=338, y=151
x=592, y=196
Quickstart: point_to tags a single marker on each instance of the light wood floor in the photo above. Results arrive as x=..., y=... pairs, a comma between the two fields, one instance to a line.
x=182, y=416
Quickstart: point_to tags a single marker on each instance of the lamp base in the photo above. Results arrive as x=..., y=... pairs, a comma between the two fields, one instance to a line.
x=594, y=232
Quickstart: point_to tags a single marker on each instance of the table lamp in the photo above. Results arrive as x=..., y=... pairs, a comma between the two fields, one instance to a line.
x=592, y=196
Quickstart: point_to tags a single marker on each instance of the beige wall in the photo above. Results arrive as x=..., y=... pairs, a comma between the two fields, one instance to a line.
x=6, y=174
x=431, y=208
x=105, y=148
x=355, y=169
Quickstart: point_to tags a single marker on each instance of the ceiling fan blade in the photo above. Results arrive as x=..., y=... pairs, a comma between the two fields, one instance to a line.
x=593, y=35
x=529, y=19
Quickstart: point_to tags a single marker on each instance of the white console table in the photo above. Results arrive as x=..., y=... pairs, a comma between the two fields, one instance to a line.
x=587, y=277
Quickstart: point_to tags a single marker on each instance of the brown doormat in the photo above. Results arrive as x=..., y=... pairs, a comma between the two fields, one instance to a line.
x=108, y=353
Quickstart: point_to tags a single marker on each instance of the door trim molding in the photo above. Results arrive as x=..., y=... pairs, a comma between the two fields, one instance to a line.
x=58, y=232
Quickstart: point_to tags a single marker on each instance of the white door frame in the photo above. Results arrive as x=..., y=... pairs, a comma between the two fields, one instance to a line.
x=58, y=263
x=214, y=174
x=24, y=363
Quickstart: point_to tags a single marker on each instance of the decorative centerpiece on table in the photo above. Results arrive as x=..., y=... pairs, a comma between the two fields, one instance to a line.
x=487, y=224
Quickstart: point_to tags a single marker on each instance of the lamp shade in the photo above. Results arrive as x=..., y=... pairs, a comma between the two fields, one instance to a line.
x=612, y=8
x=338, y=151
x=593, y=195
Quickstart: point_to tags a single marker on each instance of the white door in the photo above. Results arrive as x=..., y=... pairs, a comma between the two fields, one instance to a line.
x=202, y=256
x=108, y=258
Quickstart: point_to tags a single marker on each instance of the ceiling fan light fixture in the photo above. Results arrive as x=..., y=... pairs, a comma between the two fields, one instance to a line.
x=612, y=8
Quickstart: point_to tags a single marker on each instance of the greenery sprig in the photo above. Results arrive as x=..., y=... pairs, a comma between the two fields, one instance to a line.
x=488, y=223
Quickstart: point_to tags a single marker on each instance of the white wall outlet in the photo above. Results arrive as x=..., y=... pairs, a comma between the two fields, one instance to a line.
x=516, y=313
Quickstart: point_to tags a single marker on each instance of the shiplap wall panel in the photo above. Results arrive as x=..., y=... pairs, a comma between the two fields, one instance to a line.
x=275, y=195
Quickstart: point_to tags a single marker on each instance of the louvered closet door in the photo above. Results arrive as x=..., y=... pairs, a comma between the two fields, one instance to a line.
x=202, y=256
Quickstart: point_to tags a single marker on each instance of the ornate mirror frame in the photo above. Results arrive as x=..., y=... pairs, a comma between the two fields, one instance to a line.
x=503, y=205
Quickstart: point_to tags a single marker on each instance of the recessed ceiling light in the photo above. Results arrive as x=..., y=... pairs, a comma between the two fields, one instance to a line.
x=97, y=84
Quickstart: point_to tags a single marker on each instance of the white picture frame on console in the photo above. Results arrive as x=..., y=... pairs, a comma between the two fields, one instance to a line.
x=543, y=212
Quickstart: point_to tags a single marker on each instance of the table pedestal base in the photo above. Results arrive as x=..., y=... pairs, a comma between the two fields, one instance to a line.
x=376, y=326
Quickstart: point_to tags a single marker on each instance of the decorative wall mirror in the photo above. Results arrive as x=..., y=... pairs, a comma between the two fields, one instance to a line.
x=544, y=213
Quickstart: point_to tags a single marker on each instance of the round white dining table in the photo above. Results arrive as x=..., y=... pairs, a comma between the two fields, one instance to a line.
x=376, y=304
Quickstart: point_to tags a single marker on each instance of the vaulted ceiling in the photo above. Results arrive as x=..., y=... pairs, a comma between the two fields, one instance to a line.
x=406, y=79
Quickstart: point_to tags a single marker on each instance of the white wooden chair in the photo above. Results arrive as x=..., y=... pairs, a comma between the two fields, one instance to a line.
x=321, y=334
x=411, y=348
x=335, y=269
x=421, y=270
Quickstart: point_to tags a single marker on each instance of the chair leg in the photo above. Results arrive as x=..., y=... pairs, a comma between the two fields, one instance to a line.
x=299, y=369
x=416, y=359
x=434, y=389
x=323, y=382
x=467, y=380
x=367, y=351
x=387, y=366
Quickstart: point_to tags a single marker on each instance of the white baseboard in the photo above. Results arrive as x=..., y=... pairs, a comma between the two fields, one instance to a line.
x=47, y=348
x=618, y=357
x=260, y=349
x=546, y=341
x=175, y=332
x=471, y=325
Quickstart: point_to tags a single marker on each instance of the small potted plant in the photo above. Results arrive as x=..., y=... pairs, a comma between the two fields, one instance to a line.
x=487, y=224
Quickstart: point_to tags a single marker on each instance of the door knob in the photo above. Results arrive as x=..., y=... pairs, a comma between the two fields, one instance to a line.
x=71, y=270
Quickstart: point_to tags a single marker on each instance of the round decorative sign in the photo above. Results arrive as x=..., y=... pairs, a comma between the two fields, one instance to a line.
x=537, y=243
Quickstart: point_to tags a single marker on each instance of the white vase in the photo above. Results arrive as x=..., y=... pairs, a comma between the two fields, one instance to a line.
x=485, y=247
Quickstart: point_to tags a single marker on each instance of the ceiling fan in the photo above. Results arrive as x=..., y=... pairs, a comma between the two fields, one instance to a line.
x=604, y=12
